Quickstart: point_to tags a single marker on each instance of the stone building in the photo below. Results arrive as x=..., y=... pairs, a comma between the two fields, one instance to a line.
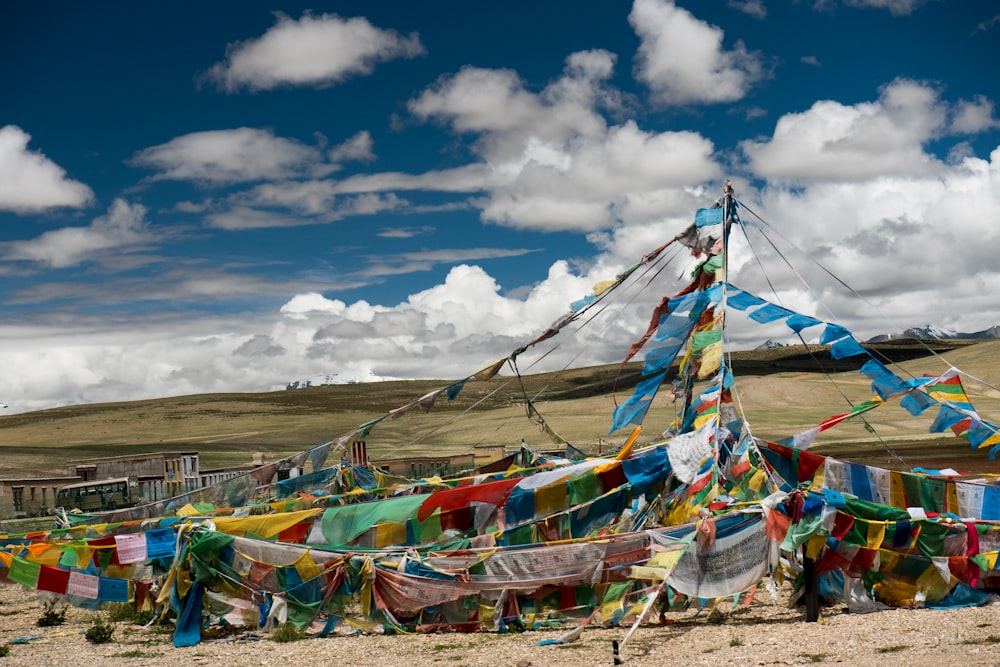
x=158, y=475
x=30, y=496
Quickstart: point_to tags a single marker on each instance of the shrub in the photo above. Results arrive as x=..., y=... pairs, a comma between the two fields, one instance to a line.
x=125, y=612
x=100, y=631
x=51, y=616
x=286, y=632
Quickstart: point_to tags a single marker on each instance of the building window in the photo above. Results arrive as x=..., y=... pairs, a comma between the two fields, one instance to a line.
x=18, y=492
x=32, y=494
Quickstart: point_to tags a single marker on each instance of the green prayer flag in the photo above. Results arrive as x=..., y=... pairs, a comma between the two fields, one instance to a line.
x=24, y=572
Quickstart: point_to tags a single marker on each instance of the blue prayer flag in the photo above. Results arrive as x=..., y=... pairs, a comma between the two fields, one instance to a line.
x=846, y=347
x=797, y=322
x=769, y=312
x=112, y=590
x=833, y=332
x=708, y=216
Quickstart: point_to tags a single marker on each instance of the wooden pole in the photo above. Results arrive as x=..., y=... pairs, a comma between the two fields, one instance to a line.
x=811, y=589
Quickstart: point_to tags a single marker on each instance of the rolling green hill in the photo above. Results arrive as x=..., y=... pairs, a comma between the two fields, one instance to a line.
x=779, y=390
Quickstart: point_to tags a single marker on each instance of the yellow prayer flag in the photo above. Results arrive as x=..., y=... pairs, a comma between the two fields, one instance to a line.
x=183, y=582
x=263, y=526
x=933, y=585
x=668, y=559
x=876, y=533
x=816, y=544
x=306, y=566
x=188, y=510
x=610, y=609
x=603, y=286
x=681, y=513
x=951, y=498
x=45, y=553
x=551, y=498
x=711, y=357
x=897, y=493
x=485, y=615
x=165, y=590
x=626, y=449
x=387, y=534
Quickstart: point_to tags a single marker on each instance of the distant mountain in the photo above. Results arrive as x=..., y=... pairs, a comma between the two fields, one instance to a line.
x=931, y=332
x=770, y=345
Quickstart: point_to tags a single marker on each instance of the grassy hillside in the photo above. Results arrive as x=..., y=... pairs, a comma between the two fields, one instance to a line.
x=779, y=390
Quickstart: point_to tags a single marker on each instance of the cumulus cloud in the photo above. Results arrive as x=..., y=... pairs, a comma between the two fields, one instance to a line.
x=850, y=185
x=260, y=346
x=874, y=234
x=855, y=142
x=317, y=51
x=31, y=182
x=220, y=157
x=302, y=305
x=554, y=164
x=972, y=117
x=881, y=237
x=682, y=60
x=484, y=100
x=123, y=227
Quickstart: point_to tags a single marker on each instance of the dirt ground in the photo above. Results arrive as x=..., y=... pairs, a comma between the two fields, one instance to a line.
x=763, y=633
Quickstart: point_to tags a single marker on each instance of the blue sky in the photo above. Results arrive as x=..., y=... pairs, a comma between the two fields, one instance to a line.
x=226, y=196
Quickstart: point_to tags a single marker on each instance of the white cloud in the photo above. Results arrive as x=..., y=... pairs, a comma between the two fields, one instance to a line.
x=317, y=51
x=124, y=227
x=31, y=182
x=987, y=25
x=231, y=156
x=358, y=147
x=496, y=101
x=754, y=8
x=554, y=163
x=682, y=61
x=895, y=7
x=467, y=178
x=880, y=236
x=919, y=249
x=260, y=346
x=589, y=184
x=242, y=217
x=306, y=203
x=974, y=117
x=309, y=197
x=406, y=232
x=854, y=143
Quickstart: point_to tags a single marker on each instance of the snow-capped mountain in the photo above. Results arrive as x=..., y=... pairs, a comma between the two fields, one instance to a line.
x=931, y=332
x=770, y=345
x=334, y=378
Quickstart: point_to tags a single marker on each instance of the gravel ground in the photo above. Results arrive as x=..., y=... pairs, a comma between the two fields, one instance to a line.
x=764, y=633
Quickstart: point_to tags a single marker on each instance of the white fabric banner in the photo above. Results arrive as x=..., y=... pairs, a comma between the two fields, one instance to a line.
x=688, y=451
x=734, y=562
